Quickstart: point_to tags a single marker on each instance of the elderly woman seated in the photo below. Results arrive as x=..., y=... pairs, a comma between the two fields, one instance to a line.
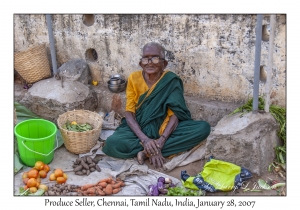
x=157, y=122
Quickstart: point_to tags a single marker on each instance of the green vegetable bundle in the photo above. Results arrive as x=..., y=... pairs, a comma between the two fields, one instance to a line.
x=182, y=191
x=77, y=127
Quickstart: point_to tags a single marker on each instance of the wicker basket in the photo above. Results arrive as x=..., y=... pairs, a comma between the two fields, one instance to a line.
x=80, y=142
x=33, y=64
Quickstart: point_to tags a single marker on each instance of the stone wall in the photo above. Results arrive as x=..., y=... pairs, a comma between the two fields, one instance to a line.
x=213, y=54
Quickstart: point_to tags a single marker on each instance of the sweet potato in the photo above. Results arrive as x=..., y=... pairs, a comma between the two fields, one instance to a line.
x=107, y=180
x=99, y=191
x=108, y=189
x=91, y=190
x=117, y=185
x=116, y=190
x=102, y=184
x=87, y=186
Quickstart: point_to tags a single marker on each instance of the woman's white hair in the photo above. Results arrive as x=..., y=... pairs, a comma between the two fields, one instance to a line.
x=161, y=48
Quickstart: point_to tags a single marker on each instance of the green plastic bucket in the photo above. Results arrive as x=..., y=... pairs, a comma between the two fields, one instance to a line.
x=36, y=140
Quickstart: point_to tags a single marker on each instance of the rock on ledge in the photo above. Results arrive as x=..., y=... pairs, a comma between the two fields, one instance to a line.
x=50, y=98
x=246, y=141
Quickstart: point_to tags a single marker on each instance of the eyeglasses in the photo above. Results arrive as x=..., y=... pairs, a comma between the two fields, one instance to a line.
x=154, y=60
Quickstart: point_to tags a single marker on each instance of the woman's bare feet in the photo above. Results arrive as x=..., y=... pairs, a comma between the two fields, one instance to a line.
x=141, y=157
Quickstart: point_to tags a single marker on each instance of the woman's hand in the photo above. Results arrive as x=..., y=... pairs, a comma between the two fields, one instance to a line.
x=157, y=160
x=150, y=147
x=160, y=142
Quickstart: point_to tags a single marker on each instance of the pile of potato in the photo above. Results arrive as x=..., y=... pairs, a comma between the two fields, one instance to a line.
x=85, y=165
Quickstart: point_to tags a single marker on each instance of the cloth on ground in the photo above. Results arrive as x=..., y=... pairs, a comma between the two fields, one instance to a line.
x=196, y=153
x=137, y=177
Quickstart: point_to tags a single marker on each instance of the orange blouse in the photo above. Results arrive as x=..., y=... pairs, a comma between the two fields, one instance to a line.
x=136, y=86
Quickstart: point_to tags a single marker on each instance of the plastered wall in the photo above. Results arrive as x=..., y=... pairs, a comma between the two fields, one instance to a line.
x=213, y=54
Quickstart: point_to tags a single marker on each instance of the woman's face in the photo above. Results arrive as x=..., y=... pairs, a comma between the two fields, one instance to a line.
x=151, y=68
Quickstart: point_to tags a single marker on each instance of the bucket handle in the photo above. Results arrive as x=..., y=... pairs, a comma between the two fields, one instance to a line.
x=39, y=152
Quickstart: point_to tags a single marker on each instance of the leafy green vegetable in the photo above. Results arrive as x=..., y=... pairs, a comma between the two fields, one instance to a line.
x=38, y=192
x=262, y=184
x=182, y=191
x=78, y=127
x=23, y=192
x=274, y=186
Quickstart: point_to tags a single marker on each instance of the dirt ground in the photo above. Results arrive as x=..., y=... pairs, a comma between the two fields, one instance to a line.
x=62, y=159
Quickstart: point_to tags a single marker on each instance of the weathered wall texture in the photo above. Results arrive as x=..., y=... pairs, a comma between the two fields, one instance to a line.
x=213, y=54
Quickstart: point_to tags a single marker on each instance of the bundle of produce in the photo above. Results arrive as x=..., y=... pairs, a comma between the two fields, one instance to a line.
x=74, y=126
x=104, y=187
x=62, y=189
x=161, y=187
x=32, y=178
x=59, y=176
x=85, y=165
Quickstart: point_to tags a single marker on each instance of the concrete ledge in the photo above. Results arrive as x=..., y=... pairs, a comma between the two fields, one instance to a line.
x=201, y=109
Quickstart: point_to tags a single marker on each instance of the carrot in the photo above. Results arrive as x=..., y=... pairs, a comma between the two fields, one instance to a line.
x=113, y=182
x=102, y=184
x=108, y=189
x=116, y=190
x=87, y=186
x=117, y=185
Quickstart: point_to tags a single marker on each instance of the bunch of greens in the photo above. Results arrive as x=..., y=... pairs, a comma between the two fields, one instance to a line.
x=24, y=192
x=279, y=114
x=73, y=126
x=182, y=191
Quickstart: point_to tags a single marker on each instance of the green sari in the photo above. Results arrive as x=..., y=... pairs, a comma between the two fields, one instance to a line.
x=150, y=114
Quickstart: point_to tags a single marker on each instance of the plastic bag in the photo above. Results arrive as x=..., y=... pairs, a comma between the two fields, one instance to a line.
x=217, y=175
